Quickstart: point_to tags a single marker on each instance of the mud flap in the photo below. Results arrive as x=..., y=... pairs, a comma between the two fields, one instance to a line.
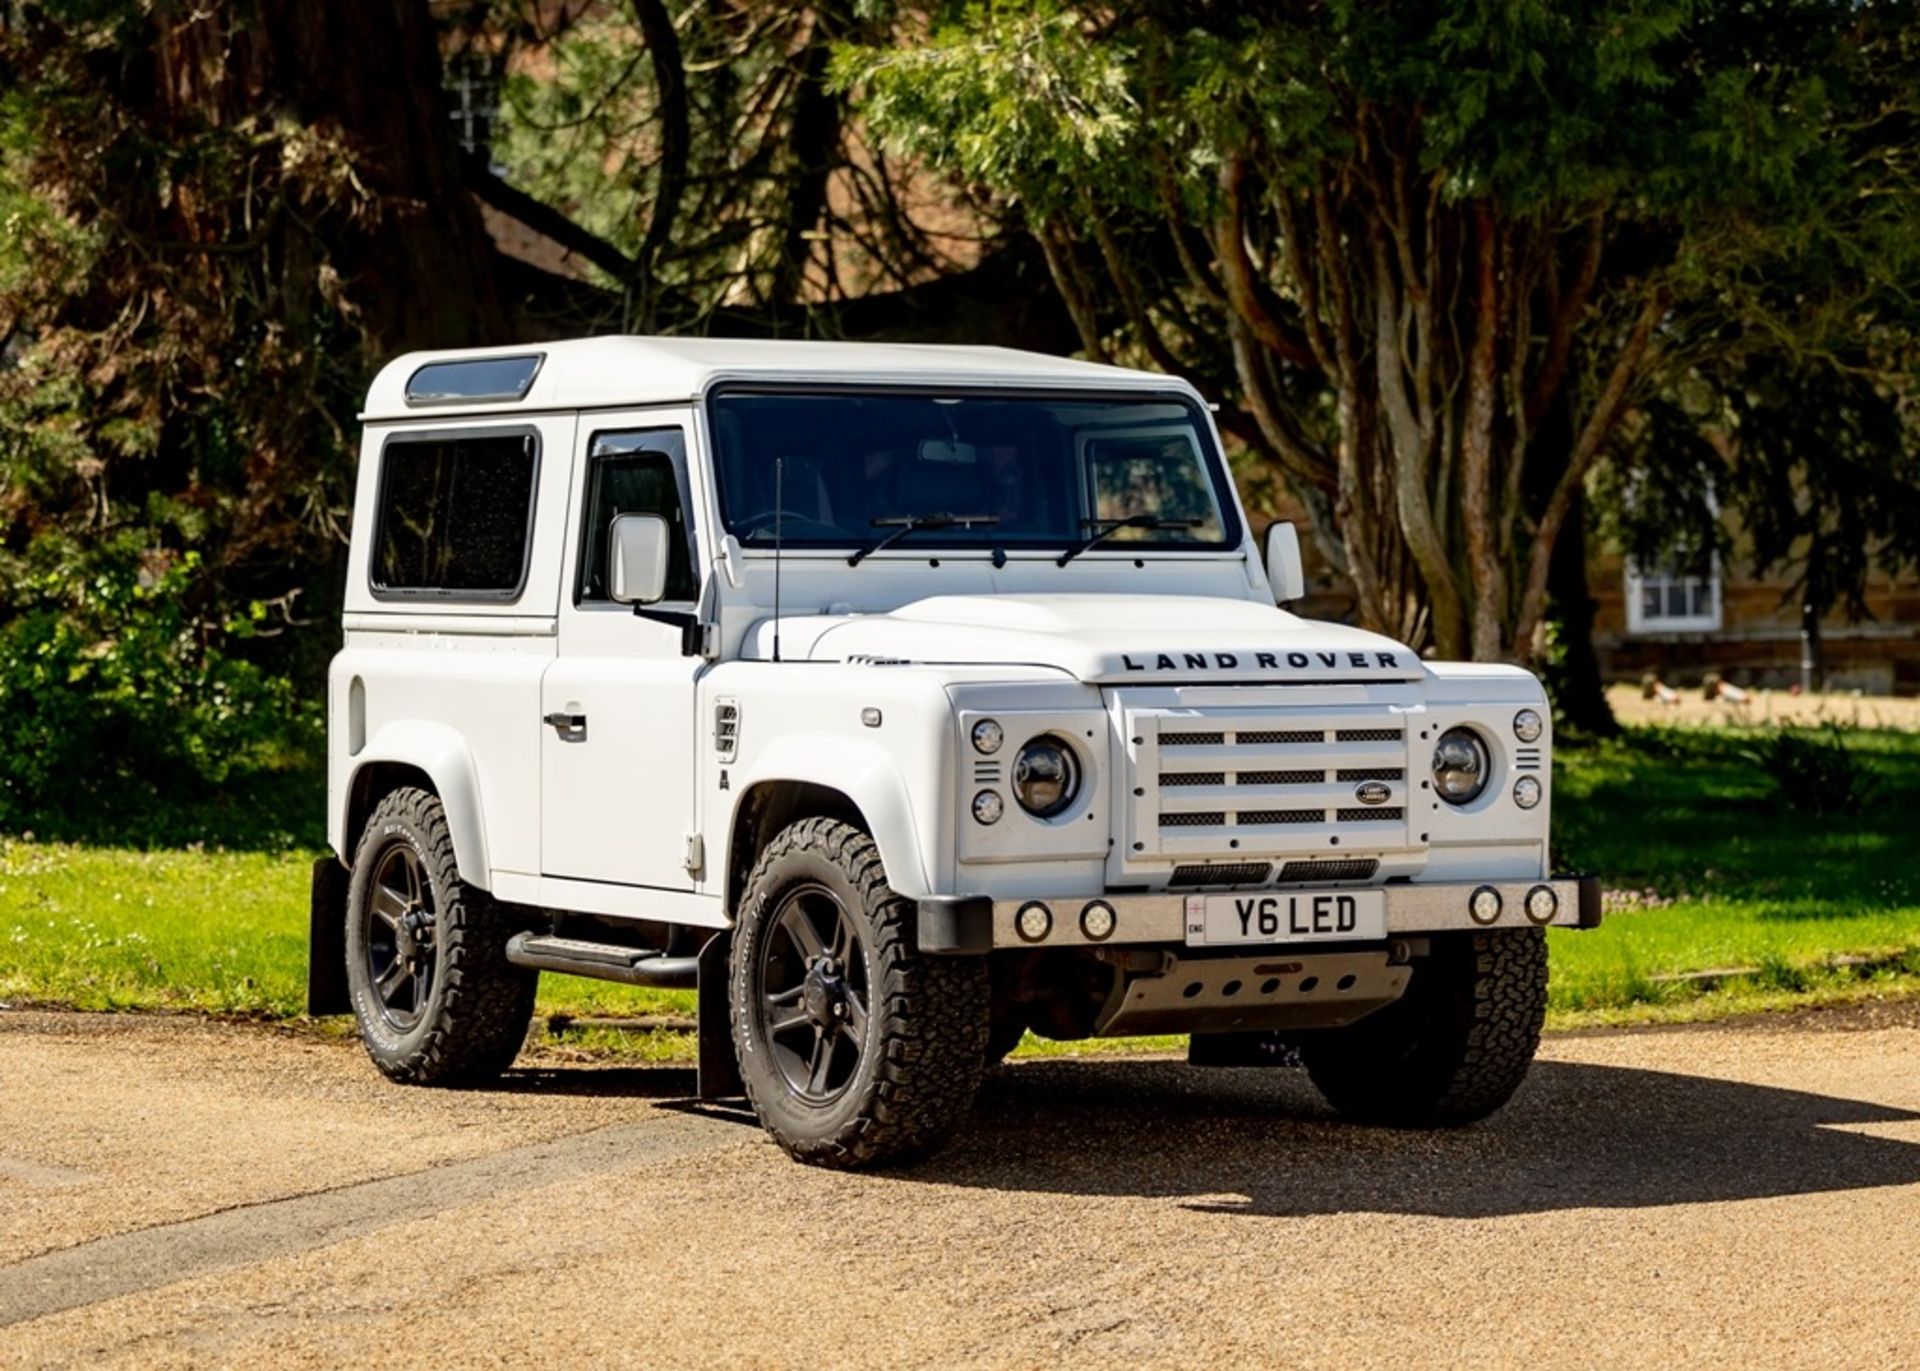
x=719, y=1068
x=327, y=940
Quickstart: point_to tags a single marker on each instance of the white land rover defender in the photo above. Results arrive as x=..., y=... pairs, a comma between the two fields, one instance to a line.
x=899, y=700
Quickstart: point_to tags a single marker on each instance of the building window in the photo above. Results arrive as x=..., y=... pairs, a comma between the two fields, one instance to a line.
x=1671, y=601
x=473, y=103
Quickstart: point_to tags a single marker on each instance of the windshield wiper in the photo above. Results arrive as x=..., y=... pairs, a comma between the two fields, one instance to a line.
x=903, y=524
x=1106, y=528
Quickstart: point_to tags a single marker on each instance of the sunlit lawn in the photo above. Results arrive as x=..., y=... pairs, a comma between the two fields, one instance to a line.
x=1711, y=873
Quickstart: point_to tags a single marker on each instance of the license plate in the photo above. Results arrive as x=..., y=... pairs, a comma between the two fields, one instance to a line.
x=1293, y=916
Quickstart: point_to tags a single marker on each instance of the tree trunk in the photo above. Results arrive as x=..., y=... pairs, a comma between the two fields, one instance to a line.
x=368, y=72
x=1579, y=691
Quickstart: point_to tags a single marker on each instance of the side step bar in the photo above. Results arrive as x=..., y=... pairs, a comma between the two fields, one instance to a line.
x=603, y=961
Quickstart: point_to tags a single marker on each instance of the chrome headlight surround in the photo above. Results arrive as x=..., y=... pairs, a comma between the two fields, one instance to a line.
x=1047, y=776
x=1462, y=766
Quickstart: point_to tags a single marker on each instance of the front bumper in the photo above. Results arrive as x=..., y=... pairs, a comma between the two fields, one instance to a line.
x=978, y=923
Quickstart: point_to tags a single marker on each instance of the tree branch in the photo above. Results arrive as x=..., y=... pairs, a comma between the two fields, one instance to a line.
x=1476, y=445
x=543, y=218
x=1593, y=434
x=1237, y=274
x=1566, y=317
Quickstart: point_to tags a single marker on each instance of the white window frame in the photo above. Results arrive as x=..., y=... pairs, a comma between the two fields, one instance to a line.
x=1638, y=621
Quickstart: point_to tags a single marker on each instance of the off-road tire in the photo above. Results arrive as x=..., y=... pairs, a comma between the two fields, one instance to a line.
x=1453, y=1049
x=926, y=1040
x=477, y=1012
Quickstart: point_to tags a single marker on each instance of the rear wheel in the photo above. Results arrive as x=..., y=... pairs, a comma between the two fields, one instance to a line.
x=427, y=971
x=854, y=1047
x=1450, y=1051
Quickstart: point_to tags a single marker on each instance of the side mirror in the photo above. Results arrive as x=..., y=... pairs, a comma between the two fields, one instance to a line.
x=1284, y=572
x=637, y=558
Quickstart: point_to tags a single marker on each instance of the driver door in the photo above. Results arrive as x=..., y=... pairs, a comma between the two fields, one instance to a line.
x=617, y=703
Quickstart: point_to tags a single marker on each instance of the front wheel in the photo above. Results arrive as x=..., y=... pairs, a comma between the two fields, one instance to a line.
x=1451, y=1050
x=854, y=1047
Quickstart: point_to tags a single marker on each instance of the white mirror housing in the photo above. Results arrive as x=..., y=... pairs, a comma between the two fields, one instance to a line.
x=637, y=558
x=1284, y=572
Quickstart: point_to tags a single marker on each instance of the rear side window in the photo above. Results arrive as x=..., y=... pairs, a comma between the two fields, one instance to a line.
x=455, y=515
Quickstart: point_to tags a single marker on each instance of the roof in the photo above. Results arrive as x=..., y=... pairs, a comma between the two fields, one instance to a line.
x=591, y=372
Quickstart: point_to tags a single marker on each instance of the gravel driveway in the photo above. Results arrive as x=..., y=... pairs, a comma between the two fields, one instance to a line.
x=176, y=1193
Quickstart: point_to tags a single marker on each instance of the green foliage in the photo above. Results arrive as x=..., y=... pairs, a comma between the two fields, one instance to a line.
x=114, y=715
x=1664, y=189
x=1814, y=772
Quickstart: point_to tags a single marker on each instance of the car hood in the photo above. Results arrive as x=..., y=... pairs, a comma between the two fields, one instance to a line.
x=1104, y=639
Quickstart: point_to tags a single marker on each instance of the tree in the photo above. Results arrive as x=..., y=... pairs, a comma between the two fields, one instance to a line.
x=1414, y=230
x=219, y=218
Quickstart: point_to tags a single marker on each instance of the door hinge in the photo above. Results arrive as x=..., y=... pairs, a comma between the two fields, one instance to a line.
x=696, y=859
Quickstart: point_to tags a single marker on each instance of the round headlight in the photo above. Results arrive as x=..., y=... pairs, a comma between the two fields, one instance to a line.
x=987, y=736
x=1527, y=726
x=1526, y=792
x=1046, y=777
x=988, y=807
x=1460, y=766
x=1034, y=921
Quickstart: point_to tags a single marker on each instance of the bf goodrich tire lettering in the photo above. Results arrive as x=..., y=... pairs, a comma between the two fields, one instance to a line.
x=469, y=1024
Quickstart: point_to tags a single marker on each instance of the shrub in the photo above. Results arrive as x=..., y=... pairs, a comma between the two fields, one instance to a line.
x=117, y=706
x=1813, y=771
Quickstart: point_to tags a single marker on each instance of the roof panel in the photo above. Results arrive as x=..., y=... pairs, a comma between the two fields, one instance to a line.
x=623, y=370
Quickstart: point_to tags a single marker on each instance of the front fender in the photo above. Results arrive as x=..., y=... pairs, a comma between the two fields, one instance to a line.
x=867, y=774
x=442, y=754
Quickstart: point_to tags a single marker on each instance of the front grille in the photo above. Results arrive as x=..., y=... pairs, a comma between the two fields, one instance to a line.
x=1277, y=777
x=1222, y=873
x=1200, y=818
x=1342, y=869
x=1194, y=778
x=1224, y=786
x=1282, y=816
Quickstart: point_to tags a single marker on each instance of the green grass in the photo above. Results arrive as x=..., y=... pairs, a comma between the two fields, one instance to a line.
x=1711, y=873
x=213, y=931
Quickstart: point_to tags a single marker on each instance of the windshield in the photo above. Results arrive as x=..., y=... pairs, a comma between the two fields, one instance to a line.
x=1020, y=471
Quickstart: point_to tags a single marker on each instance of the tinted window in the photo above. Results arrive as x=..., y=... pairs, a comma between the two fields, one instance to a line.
x=635, y=473
x=1035, y=470
x=455, y=514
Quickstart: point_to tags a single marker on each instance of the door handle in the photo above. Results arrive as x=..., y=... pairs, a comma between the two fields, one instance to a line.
x=572, y=728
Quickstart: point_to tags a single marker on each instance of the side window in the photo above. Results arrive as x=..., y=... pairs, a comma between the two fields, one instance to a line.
x=635, y=473
x=455, y=514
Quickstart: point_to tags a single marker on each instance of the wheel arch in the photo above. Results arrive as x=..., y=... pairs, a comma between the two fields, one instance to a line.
x=865, y=791
x=434, y=758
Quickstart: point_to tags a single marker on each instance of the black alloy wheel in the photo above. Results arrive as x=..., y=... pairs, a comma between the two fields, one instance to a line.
x=401, y=949
x=815, y=987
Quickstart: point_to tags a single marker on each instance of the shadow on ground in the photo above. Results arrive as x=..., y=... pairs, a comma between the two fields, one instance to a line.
x=1261, y=1142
